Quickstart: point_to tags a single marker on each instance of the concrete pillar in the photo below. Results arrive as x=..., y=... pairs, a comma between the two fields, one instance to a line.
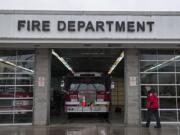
x=132, y=91
x=41, y=114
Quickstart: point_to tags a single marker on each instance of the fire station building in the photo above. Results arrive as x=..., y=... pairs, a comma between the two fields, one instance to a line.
x=88, y=41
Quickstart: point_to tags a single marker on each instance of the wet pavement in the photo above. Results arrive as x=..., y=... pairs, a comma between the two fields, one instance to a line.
x=87, y=130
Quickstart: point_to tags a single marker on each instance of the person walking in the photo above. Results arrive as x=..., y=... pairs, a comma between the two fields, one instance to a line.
x=152, y=106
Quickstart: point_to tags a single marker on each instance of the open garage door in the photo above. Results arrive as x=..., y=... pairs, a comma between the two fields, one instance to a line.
x=87, y=85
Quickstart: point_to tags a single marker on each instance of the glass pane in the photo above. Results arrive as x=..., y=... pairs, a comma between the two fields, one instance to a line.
x=168, y=78
x=168, y=116
x=148, y=66
x=6, y=91
x=8, y=55
x=177, y=66
x=165, y=54
x=178, y=78
x=24, y=91
x=144, y=89
x=143, y=103
x=178, y=100
x=148, y=78
x=167, y=102
x=24, y=79
x=6, y=104
x=148, y=55
x=23, y=104
x=25, y=55
x=177, y=53
x=8, y=67
x=6, y=118
x=143, y=115
x=167, y=91
x=166, y=66
x=25, y=67
x=25, y=117
x=7, y=79
x=178, y=90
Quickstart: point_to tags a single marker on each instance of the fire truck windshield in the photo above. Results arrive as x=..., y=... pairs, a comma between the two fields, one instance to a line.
x=83, y=86
x=84, y=83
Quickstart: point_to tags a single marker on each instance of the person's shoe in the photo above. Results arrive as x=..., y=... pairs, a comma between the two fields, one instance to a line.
x=157, y=126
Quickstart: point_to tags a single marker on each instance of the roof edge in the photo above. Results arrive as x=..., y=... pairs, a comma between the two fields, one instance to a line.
x=62, y=12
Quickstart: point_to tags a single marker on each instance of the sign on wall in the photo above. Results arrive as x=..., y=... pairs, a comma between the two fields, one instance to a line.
x=133, y=81
x=85, y=26
x=26, y=26
x=41, y=81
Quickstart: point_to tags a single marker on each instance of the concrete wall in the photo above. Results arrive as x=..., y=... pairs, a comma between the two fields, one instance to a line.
x=132, y=92
x=42, y=87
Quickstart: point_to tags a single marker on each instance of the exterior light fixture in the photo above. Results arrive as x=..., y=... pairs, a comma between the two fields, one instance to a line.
x=61, y=59
x=116, y=62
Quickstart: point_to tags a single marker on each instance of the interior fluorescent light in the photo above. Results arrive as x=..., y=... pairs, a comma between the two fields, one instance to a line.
x=161, y=64
x=116, y=62
x=14, y=65
x=63, y=61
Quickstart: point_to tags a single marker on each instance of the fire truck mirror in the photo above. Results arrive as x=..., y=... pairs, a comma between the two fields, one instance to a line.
x=112, y=85
x=62, y=84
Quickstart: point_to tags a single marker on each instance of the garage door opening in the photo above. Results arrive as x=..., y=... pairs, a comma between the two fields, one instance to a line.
x=87, y=86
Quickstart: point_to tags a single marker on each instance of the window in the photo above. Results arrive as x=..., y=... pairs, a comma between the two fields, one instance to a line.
x=16, y=86
x=159, y=69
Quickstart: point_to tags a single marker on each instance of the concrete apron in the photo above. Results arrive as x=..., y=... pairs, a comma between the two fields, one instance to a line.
x=87, y=130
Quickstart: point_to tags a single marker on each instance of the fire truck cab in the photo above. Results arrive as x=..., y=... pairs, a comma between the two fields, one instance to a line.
x=87, y=92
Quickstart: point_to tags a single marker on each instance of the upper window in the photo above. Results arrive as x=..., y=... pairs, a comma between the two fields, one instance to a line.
x=148, y=55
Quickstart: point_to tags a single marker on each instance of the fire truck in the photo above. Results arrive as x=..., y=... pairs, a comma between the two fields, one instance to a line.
x=19, y=99
x=87, y=92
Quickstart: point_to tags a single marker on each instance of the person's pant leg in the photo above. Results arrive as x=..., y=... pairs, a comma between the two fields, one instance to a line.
x=149, y=114
x=156, y=114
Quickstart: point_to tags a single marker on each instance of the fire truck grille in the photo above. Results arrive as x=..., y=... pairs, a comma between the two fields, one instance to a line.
x=90, y=96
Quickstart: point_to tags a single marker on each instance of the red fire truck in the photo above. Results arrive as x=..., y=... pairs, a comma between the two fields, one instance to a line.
x=87, y=92
x=21, y=100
